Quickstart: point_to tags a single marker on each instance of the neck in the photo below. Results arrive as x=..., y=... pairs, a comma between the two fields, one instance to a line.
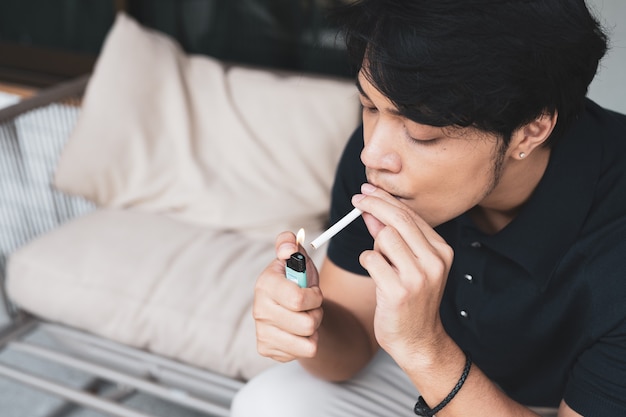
x=517, y=183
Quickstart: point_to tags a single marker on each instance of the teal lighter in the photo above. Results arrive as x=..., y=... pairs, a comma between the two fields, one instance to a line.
x=296, y=269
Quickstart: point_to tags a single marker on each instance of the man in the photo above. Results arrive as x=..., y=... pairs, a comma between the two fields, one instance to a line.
x=487, y=274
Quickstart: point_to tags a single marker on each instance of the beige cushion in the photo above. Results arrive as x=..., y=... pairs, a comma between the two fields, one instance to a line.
x=148, y=281
x=207, y=143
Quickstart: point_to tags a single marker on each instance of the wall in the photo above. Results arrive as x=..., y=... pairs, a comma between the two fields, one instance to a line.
x=609, y=86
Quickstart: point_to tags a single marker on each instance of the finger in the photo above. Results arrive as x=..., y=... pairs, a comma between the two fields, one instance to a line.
x=277, y=344
x=397, y=252
x=391, y=212
x=272, y=285
x=392, y=216
x=285, y=245
x=374, y=226
x=381, y=271
x=369, y=189
x=282, y=339
x=406, y=242
x=300, y=323
x=373, y=191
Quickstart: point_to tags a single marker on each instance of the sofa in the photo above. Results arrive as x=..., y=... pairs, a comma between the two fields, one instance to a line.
x=190, y=166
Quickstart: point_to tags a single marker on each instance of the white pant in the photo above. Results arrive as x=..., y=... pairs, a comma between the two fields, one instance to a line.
x=379, y=390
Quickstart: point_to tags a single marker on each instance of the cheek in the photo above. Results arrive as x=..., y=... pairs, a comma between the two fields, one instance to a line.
x=449, y=187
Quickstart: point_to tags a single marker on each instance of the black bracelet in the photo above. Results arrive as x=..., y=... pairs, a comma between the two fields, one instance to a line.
x=422, y=409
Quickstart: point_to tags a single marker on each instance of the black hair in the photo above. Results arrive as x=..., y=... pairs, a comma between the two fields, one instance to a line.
x=492, y=64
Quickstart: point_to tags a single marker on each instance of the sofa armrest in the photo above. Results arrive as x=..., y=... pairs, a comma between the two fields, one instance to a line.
x=32, y=134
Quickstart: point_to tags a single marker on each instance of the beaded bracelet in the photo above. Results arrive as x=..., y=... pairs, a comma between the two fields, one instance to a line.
x=423, y=410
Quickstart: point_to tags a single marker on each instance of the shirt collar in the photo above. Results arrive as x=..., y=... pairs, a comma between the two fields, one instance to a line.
x=549, y=223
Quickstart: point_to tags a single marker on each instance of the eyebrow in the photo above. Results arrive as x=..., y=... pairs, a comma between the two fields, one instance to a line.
x=390, y=110
x=360, y=88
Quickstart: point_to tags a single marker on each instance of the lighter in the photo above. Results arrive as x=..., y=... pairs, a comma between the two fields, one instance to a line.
x=296, y=264
x=296, y=269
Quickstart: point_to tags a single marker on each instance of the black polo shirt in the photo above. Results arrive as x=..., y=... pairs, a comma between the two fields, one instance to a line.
x=541, y=305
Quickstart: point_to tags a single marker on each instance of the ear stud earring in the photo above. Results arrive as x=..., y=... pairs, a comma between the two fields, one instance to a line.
x=522, y=155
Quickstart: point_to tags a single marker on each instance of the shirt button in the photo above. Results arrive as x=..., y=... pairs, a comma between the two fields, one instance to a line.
x=464, y=314
x=476, y=245
x=468, y=277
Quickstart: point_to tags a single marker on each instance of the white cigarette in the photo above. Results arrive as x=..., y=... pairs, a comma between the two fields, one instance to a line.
x=336, y=228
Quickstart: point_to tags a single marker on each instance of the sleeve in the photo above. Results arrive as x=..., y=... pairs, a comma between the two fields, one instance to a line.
x=597, y=383
x=346, y=246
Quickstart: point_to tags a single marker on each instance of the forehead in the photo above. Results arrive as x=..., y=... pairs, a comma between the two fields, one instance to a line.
x=371, y=93
x=365, y=86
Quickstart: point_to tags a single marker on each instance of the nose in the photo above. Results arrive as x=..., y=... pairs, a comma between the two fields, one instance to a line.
x=380, y=150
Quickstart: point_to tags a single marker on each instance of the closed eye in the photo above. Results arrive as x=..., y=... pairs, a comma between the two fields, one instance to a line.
x=368, y=109
x=421, y=141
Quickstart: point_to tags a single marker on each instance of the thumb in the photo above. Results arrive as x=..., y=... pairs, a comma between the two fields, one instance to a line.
x=285, y=245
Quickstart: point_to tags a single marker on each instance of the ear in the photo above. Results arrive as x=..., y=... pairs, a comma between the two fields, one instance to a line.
x=532, y=135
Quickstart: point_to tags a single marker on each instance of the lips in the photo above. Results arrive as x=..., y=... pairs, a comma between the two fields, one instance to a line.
x=396, y=196
x=370, y=179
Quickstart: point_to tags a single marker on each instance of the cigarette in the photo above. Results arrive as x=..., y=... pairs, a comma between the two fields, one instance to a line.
x=336, y=228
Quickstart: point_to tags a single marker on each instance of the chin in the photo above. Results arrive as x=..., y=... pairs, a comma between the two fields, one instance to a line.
x=424, y=214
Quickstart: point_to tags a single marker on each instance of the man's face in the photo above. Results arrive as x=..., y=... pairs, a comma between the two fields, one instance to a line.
x=438, y=172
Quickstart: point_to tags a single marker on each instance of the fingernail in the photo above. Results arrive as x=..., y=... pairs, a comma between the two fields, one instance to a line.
x=367, y=188
x=357, y=197
x=287, y=247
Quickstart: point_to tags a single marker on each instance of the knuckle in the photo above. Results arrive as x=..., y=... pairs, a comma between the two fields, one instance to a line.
x=309, y=326
x=448, y=254
x=259, y=308
x=389, y=237
x=310, y=350
x=257, y=313
x=386, y=233
x=297, y=299
x=403, y=295
x=403, y=217
x=318, y=315
x=264, y=279
x=263, y=351
x=259, y=284
x=439, y=266
x=262, y=348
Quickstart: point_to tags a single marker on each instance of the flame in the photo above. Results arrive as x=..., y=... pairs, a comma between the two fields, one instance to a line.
x=300, y=237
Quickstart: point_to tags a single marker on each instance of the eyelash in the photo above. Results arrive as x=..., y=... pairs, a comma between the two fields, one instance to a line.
x=368, y=109
x=425, y=142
